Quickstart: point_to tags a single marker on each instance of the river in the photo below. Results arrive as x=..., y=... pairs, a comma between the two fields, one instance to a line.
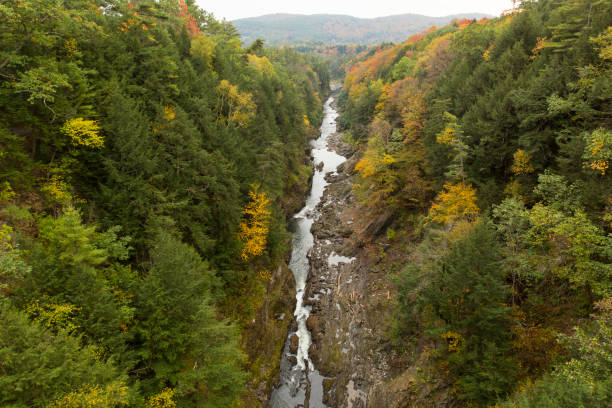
x=299, y=378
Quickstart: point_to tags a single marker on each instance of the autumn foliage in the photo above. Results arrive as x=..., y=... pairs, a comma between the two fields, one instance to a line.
x=255, y=224
x=598, y=150
x=130, y=133
x=508, y=119
x=83, y=132
x=191, y=23
x=456, y=201
x=237, y=107
x=522, y=163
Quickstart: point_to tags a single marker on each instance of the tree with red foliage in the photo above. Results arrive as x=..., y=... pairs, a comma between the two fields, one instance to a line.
x=191, y=23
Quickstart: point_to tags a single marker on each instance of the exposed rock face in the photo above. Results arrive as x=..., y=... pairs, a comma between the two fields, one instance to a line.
x=348, y=311
x=351, y=295
x=267, y=333
x=294, y=342
x=313, y=326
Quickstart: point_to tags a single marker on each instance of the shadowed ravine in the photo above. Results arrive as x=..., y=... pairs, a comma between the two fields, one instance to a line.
x=299, y=379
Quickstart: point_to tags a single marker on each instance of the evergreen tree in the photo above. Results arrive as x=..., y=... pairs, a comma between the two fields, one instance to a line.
x=181, y=342
x=39, y=366
x=460, y=300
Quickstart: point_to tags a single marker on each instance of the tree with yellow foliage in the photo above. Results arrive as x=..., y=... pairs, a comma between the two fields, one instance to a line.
x=58, y=191
x=453, y=136
x=56, y=316
x=203, y=47
x=261, y=64
x=234, y=107
x=83, y=132
x=455, y=202
x=598, y=150
x=522, y=163
x=391, y=175
x=112, y=395
x=165, y=399
x=255, y=224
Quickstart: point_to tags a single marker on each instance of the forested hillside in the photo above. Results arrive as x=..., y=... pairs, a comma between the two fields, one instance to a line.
x=289, y=29
x=149, y=162
x=147, y=166
x=489, y=143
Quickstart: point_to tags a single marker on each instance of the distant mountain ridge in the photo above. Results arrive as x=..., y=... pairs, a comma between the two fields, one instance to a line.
x=279, y=29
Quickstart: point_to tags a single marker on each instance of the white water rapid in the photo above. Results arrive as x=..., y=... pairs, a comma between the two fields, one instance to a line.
x=297, y=372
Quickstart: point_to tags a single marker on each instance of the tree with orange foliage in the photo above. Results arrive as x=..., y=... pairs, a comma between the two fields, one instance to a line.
x=413, y=116
x=598, y=150
x=191, y=23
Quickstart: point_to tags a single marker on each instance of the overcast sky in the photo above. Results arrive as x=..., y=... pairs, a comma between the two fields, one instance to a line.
x=233, y=9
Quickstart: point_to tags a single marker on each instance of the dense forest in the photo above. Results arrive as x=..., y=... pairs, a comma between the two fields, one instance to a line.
x=147, y=162
x=489, y=142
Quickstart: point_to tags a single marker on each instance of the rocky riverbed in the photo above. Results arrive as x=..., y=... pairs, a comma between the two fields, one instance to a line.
x=349, y=299
x=349, y=295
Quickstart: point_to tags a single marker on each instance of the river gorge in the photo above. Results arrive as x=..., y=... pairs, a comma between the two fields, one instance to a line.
x=299, y=379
